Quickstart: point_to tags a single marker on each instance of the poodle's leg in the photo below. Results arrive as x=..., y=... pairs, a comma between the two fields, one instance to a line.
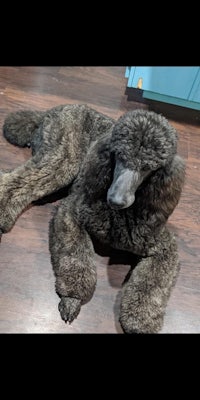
x=72, y=256
x=20, y=126
x=33, y=180
x=145, y=295
x=54, y=165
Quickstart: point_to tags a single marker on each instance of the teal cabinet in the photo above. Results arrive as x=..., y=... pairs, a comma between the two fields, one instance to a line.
x=175, y=85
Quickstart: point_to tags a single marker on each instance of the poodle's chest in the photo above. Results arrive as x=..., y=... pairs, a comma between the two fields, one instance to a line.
x=106, y=225
x=120, y=229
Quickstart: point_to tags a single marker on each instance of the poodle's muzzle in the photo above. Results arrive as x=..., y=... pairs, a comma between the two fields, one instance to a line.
x=121, y=193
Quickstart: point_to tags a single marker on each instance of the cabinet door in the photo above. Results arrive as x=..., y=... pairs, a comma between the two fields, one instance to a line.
x=195, y=92
x=169, y=81
x=129, y=73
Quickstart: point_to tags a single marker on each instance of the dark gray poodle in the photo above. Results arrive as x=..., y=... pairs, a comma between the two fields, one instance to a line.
x=124, y=178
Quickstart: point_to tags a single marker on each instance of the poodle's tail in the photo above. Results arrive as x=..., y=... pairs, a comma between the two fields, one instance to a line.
x=18, y=127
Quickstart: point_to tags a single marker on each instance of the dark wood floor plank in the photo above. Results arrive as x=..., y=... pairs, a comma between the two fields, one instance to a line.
x=28, y=302
x=74, y=85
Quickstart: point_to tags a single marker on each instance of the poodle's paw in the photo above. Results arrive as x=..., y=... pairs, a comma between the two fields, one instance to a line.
x=69, y=308
x=140, y=318
x=131, y=325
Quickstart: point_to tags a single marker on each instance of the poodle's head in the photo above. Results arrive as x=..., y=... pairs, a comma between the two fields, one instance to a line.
x=142, y=142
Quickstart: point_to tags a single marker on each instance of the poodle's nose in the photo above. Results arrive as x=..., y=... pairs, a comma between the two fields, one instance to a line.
x=116, y=203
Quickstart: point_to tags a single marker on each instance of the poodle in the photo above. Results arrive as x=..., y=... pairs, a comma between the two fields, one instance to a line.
x=124, y=179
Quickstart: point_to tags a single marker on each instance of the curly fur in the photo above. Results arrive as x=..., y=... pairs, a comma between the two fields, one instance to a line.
x=125, y=180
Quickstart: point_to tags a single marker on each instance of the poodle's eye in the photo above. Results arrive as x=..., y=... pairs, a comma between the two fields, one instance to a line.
x=112, y=156
x=145, y=168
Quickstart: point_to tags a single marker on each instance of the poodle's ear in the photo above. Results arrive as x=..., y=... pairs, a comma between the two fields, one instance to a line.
x=97, y=171
x=165, y=187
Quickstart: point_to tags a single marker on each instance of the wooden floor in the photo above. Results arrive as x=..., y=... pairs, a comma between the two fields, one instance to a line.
x=28, y=302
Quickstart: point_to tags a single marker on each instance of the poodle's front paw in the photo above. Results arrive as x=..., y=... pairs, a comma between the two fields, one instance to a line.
x=69, y=308
x=137, y=316
x=132, y=324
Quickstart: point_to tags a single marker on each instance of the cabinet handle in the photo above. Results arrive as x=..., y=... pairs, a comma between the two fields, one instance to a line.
x=139, y=84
